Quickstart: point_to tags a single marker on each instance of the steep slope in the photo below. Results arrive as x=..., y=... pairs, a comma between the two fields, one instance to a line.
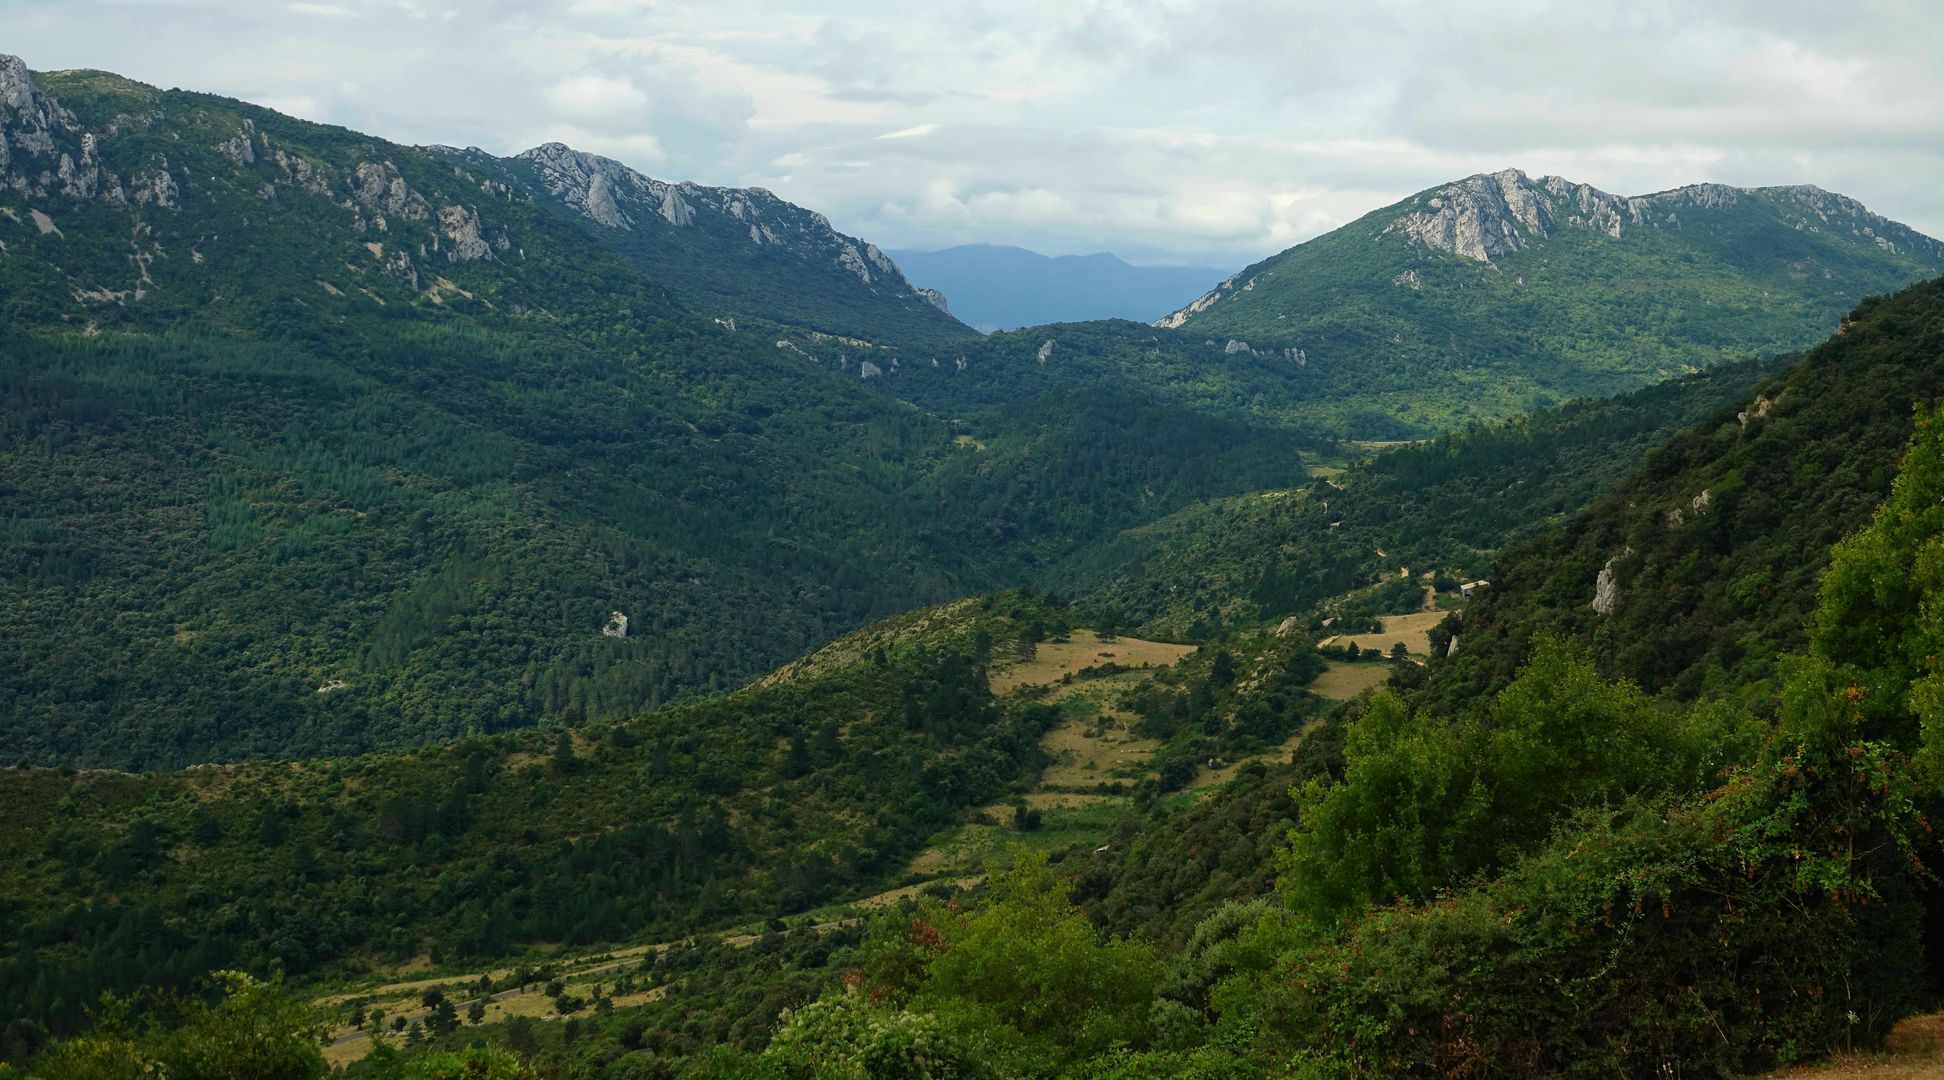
x=1701, y=567
x=100, y=146
x=743, y=253
x=993, y=287
x=320, y=444
x=742, y=807
x=1499, y=292
x=1443, y=507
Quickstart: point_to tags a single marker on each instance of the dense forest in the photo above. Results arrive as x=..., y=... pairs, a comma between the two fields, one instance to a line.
x=445, y=633
x=1571, y=291
x=276, y=505
x=1713, y=550
x=1444, y=506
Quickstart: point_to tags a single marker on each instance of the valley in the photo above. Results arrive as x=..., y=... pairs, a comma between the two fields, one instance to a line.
x=506, y=615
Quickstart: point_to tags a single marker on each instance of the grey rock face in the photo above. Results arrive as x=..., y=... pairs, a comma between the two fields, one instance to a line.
x=41, y=148
x=1498, y=213
x=1206, y=301
x=677, y=212
x=849, y=259
x=378, y=186
x=617, y=197
x=1606, y=589
x=155, y=185
x=1490, y=215
x=937, y=300
x=460, y=224
x=240, y=147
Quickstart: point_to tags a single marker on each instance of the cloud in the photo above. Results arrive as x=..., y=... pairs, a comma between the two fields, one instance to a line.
x=1186, y=130
x=597, y=99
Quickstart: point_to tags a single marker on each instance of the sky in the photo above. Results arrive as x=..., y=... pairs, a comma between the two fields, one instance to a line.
x=1209, y=132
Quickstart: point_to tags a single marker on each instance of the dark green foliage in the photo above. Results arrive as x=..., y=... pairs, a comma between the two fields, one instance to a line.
x=1707, y=600
x=1435, y=340
x=1447, y=505
x=1168, y=869
x=253, y=1029
x=683, y=819
x=1425, y=804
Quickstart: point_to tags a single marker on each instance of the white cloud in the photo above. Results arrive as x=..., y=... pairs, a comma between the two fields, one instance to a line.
x=1185, y=129
x=597, y=99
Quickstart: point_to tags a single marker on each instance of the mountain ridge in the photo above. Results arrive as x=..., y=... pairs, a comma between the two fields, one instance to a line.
x=1497, y=214
x=88, y=138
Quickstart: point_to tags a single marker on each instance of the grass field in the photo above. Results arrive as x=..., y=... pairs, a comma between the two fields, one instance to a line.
x=1343, y=680
x=1414, y=630
x=1083, y=649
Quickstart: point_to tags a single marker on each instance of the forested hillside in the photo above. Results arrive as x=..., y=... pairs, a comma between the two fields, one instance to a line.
x=519, y=619
x=1443, y=507
x=328, y=475
x=1503, y=293
x=1700, y=569
x=747, y=806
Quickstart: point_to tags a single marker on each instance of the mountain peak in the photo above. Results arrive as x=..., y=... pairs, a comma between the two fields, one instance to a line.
x=618, y=197
x=1489, y=215
x=1494, y=214
x=41, y=147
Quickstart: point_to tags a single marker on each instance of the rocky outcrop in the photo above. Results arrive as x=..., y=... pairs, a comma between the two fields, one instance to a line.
x=240, y=147
x=1491, y=215
x=617, y=626
x=42, y=150
x=1495, y=214
x=1045, y=350
x=1203, y=303
x=155, y=185
x=935, y=299
x=676, y=211
x=379, y=186
x=1606, y=589
x=460, y=224
x=614, y=196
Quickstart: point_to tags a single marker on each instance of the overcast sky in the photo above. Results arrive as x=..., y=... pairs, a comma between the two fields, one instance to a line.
x=1203, y=131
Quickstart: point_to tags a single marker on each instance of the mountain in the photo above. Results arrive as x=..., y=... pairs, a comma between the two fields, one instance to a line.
x=100, y=146
x=1793, y=452
x=318, y=444
x=1701, y=567
x=395, y=467
x=1445, y=507
x=742, y=252
x=671, y=823
x=1501, y=292
x=994, y=287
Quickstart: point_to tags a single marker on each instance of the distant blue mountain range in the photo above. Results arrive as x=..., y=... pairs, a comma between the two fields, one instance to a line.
x=993, y=287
